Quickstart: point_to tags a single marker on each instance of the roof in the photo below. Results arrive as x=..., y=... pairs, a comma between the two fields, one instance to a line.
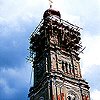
x=49, y=12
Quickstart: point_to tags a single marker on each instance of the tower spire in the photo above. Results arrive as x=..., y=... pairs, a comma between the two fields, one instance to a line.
x=50, y=3
x=54, y=52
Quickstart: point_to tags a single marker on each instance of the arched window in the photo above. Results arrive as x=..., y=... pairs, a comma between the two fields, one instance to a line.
x=72, y=96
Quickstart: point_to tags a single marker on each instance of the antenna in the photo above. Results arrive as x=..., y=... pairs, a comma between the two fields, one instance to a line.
x=50, y=3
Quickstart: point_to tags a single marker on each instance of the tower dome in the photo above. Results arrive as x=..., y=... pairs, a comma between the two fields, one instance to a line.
x=50, y=12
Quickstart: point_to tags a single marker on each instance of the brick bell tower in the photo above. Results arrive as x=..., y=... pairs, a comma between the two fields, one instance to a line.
x=54, y=48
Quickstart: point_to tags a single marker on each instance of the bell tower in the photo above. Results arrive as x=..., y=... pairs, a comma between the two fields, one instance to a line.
x=55, y=46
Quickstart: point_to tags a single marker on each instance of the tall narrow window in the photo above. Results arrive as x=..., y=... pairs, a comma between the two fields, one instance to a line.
x=66, y=65
x=70, y=68
x=63, y=65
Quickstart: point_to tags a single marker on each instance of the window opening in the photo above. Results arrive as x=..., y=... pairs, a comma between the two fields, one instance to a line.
x=63, y=65
x=66, y=65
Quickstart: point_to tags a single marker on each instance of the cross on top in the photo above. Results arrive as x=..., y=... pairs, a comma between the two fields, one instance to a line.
x=50, y=2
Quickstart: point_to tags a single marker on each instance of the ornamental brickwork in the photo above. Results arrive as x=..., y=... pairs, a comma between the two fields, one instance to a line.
x=55, y=46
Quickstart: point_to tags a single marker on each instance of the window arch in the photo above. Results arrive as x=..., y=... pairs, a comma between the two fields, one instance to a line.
x=72, y=96
x=41, y=98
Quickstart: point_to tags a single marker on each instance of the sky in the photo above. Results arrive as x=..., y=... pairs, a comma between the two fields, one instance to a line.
x=18, y=20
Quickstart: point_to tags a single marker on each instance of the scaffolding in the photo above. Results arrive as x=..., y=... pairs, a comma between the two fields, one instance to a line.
x=54, y=48
x=66, y=35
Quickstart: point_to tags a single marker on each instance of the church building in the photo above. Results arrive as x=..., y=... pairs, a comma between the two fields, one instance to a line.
x=55, y=46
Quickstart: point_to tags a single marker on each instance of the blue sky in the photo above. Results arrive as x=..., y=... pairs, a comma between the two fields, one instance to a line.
x=19, y=18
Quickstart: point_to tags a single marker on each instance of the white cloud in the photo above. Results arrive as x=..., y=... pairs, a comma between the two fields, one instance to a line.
x=14, y=15
x=26, y=9
x=83, y=13
x=95, y=95
x=13, y=79
x=91, y=54
x=6, y=88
